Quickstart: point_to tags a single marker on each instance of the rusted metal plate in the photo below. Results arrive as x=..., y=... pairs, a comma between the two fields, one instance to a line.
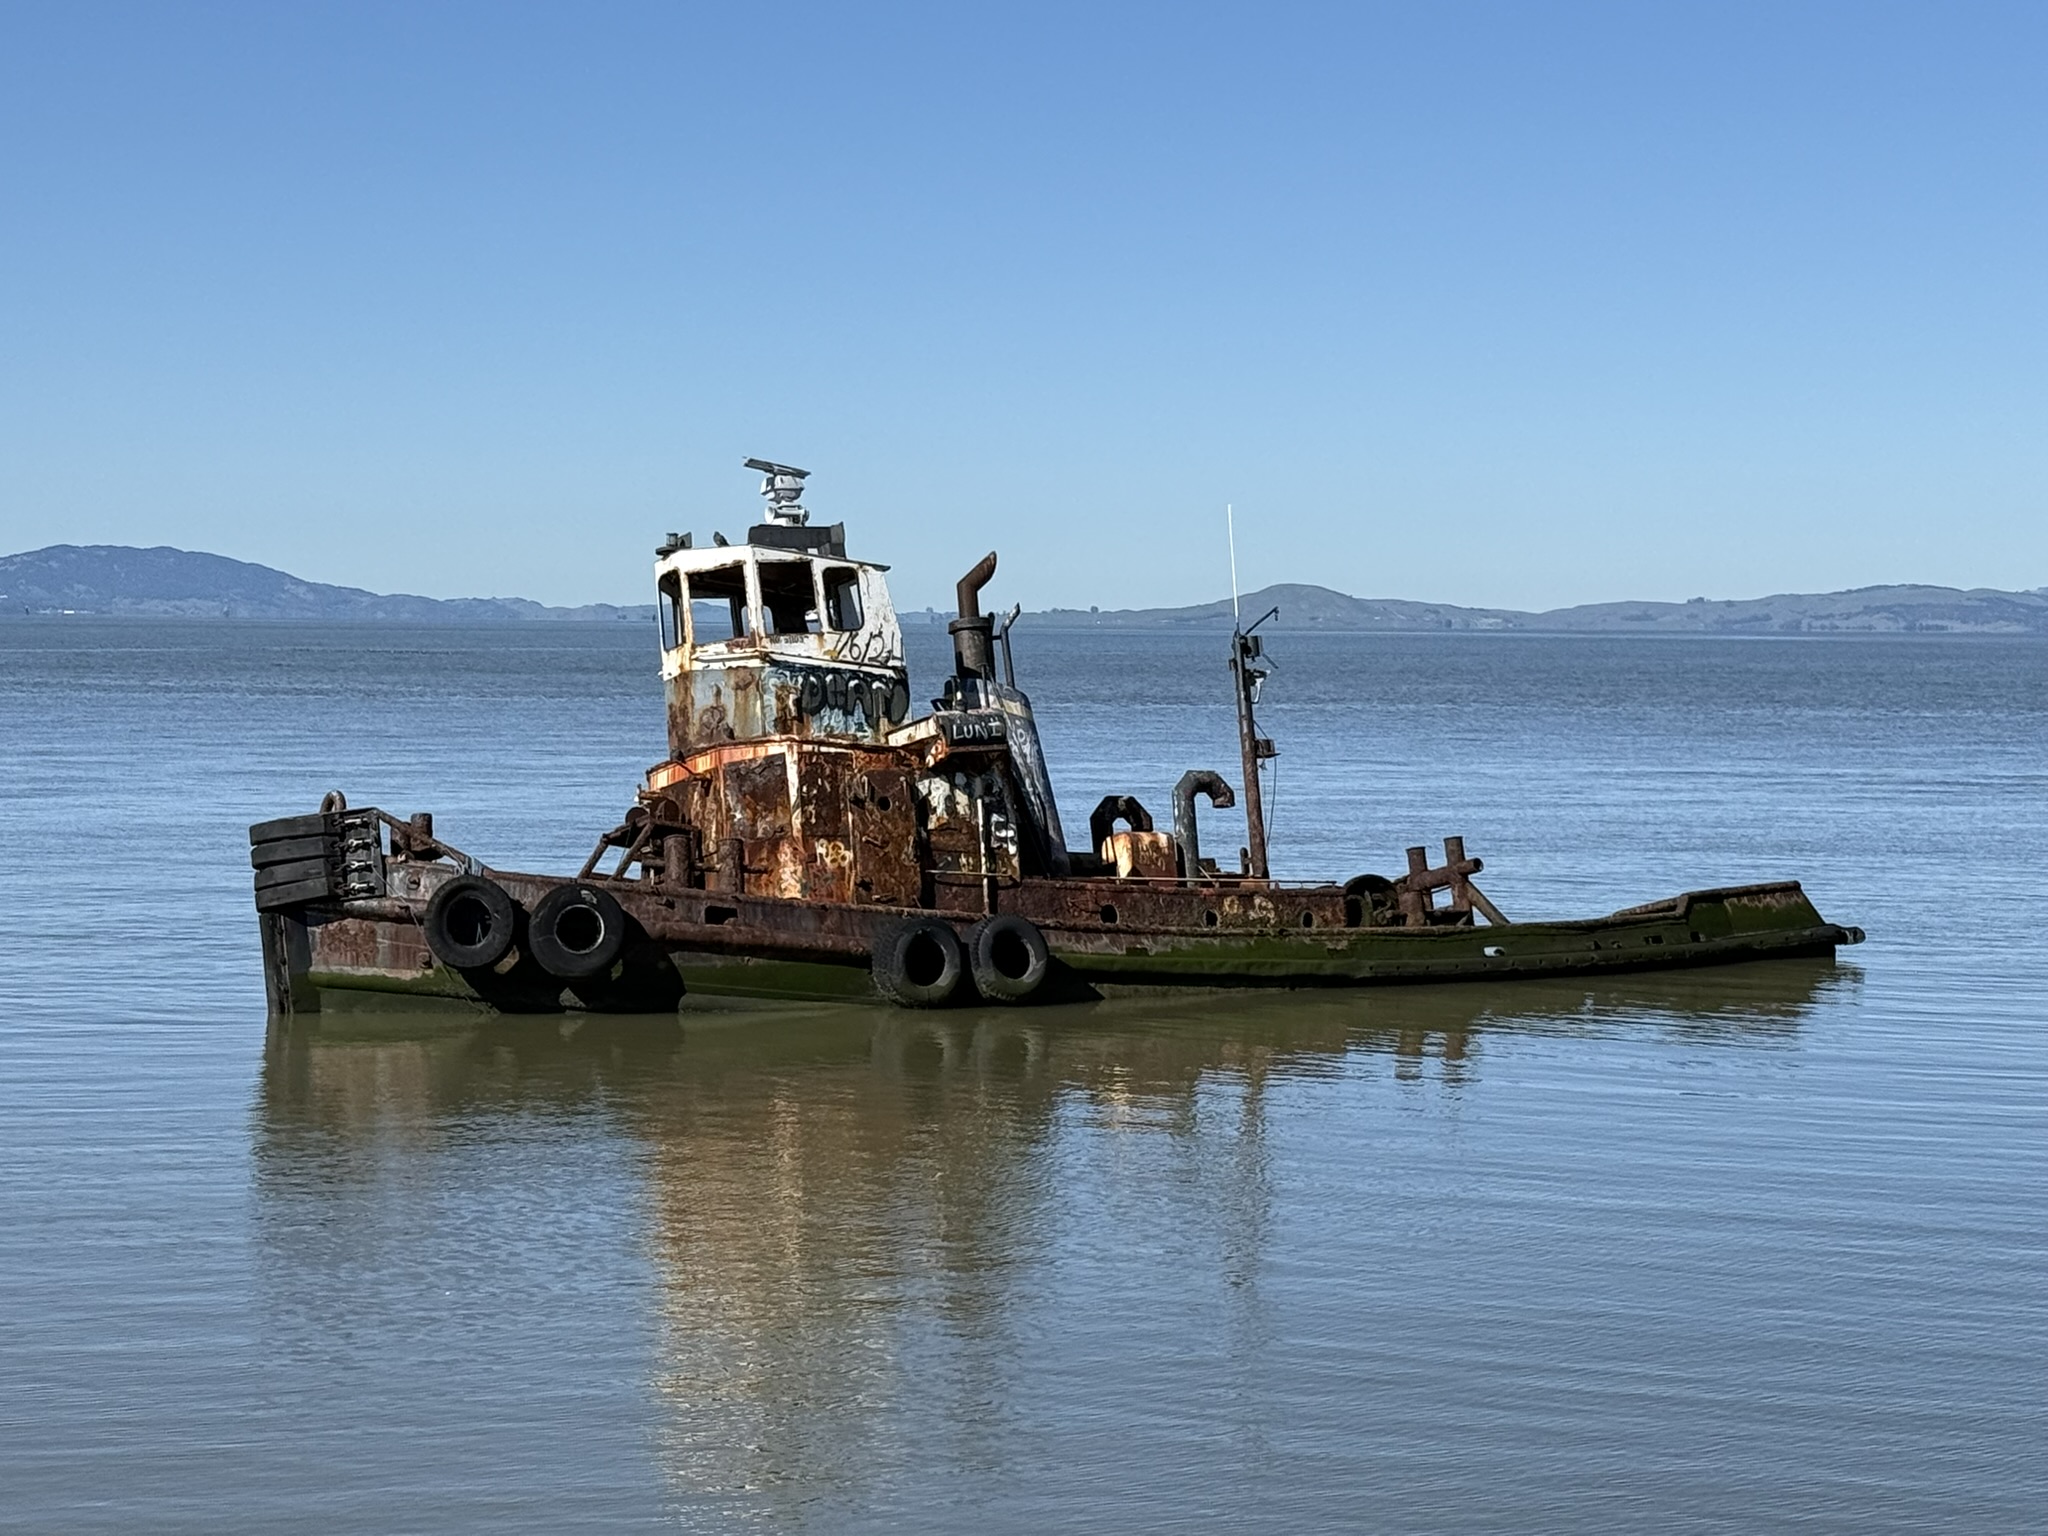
x=756, y=798
x=753, y=698
x=882, y=832
x=1112, y=909
x=1147, y=855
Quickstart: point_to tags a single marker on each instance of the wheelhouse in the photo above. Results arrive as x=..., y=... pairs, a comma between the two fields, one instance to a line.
x=783, y=636
x=720, y=604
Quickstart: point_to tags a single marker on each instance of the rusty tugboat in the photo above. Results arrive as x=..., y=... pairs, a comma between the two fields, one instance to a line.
x=808, y=837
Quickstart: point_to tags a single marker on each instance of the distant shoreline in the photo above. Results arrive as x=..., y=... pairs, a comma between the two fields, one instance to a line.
x=66, y=581
x=1052, y=623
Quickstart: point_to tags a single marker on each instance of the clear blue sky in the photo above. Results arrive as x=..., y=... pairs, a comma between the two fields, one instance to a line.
x=1520, y=304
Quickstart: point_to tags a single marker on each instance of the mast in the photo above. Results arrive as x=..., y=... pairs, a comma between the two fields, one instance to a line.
x=1246, y=651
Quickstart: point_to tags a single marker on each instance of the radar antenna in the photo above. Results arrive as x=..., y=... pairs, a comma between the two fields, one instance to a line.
x=782, y=485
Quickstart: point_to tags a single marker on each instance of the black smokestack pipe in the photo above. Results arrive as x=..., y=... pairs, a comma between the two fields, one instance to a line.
x=973, y=647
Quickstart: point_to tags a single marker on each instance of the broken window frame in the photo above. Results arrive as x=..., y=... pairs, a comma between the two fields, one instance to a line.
x=742, y=605
x=836, y=584
x=799, y=578
x=669, y=611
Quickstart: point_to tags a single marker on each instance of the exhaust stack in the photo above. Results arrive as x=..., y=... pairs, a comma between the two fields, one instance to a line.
x=973, y=632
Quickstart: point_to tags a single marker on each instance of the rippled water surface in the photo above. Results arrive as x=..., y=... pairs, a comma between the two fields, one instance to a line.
x=1749, y=1249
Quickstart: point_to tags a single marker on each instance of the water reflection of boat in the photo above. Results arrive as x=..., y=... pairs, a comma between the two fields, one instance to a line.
x=828, y=1202
x=351, y=1067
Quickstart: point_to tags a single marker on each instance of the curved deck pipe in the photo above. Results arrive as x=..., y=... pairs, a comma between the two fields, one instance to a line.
x=1113, y=809
x=1196, y=781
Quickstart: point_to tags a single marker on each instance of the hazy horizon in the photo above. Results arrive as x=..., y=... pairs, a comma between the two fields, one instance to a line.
x=945, y=606
x=1488, y=305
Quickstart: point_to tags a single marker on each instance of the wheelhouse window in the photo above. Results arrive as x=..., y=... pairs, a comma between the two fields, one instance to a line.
x=842, y=597
x=718, y=604
x=788, y=600
x=670, y=609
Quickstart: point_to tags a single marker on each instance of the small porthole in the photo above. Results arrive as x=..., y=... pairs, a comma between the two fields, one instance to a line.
x=1109, y=912
x=881, y=802
x=1656, y=938
x=1308, y=919
x=1210, y=919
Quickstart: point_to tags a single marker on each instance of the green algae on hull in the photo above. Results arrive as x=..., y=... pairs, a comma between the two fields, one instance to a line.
x=1699, y=928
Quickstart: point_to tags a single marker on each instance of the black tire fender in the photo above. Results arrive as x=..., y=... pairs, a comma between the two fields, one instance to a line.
x=576, y=931
x=289, y=850
x=291, y=826
x=282, y=898
x=918, y=963
x=1009, y=958
x=470, y=923
x=273, y=875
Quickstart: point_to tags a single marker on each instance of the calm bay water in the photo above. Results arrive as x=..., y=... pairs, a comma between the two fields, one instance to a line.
x=1760, y=1248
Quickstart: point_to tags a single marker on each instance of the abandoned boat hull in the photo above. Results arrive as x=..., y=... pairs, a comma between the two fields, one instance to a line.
x=809, y=836
x=374, y=953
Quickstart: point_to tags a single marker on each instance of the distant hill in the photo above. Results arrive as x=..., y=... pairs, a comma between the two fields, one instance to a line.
x=176, y=583
x=1298, y=605
x=121, y=581
x=1864, y=611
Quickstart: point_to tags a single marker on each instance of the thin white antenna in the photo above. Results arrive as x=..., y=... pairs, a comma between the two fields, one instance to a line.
x=1230, y=522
